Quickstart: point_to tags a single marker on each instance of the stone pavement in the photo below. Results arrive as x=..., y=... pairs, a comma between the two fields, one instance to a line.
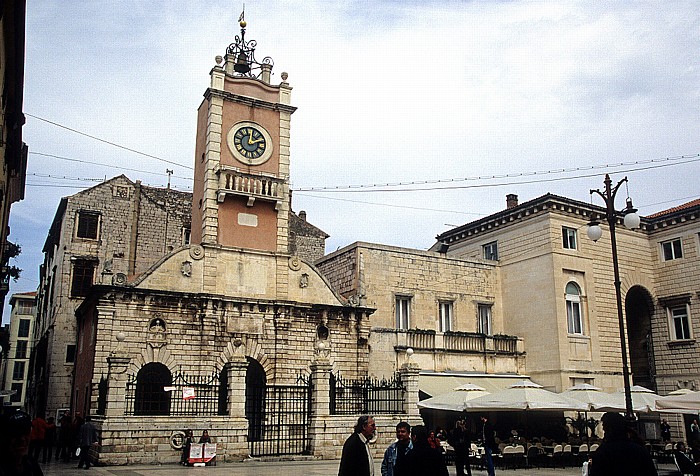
x=277, y=468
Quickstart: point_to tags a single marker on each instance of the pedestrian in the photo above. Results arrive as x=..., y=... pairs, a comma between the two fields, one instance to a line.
x=489, y=445
x=186, y=445
x=460, y=439
x=14, y=446
x=694, y=440
x=49, y=440
x=36, y=439
x=87, y=436
x=665, y=431
x=394, y=462
x=75, y=431
x=205, y=438
x=424, y=460
x=618, y=454
x=685, y=464
x=65, y=437
x=356, y=459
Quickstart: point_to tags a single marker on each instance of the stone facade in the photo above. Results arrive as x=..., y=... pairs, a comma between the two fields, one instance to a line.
x=14, y=360
x=536, y=266
x=125, y=228
x=378, y=276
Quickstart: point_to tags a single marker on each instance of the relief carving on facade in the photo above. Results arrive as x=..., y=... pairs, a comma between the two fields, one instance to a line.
x=304, y=281
x=156, y=333
x=186, y=269
x=196, y=252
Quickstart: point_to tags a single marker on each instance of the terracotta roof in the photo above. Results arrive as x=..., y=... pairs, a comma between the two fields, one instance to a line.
x=685, y=206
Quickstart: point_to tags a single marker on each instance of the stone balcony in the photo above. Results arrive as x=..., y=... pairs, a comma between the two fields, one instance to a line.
x=252, y=186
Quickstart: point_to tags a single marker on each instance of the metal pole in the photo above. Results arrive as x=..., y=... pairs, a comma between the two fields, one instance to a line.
x=611, y=216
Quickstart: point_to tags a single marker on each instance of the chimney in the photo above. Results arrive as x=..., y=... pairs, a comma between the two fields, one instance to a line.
x=302, y=215
x=511, y=201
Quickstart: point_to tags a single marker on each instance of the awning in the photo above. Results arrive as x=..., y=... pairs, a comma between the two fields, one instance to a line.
x=437, y=383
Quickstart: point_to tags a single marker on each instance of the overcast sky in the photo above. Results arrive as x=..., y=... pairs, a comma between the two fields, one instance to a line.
x=447, y=92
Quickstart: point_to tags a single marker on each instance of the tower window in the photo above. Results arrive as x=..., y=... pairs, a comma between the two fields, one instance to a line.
x=403, y=312
x=569, y=238
x=88, y=224
x=83, y=272
x=491, y=251
x=672, y=249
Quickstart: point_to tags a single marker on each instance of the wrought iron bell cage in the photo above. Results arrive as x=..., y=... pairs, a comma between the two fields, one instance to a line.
x=243, y=54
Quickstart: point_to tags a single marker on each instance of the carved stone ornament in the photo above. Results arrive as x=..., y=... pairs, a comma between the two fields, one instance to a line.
x=186, y=269
x=196, y=251
x=119, y=279
x=354, y=300
x=304, y=281
x=156, y=333
x=295, y=263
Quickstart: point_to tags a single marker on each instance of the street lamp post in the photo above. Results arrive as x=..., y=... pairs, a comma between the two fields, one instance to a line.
x=631, y=220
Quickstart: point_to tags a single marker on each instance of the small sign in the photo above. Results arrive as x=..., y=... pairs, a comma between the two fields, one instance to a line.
x=188, y=393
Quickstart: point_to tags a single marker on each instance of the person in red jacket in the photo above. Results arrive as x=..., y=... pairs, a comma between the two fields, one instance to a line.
x=37, y=436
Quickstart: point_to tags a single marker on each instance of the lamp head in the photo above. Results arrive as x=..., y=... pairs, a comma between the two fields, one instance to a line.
x=631, y=218
x=594, y=231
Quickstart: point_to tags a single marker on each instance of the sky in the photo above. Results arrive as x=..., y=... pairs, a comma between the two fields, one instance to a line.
x=454, y=104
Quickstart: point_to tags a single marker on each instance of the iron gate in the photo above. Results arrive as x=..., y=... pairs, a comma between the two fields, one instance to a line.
x=278, y=419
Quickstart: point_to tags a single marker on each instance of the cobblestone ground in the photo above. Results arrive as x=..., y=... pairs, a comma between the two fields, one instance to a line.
x=279, y=468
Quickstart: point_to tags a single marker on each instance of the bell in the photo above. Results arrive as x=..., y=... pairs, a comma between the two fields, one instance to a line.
x=241, y=65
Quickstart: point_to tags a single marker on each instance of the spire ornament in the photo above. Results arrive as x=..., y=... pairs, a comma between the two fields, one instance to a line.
x=240, y=56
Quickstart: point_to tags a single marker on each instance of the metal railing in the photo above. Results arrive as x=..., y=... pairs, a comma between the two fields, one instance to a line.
x=185, y=395
x=366, y=396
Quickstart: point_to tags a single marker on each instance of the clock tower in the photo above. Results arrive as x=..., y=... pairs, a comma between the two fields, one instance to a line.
x=241, y=177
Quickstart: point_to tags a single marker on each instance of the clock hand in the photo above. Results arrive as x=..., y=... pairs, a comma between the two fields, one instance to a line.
x=251, y=142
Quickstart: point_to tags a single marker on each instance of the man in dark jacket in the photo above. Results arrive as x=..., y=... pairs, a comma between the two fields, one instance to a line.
x=460, y=440
x=87, y=436
x=489, y=445
x=356, y=459
x=684, y=463
x=618, y=454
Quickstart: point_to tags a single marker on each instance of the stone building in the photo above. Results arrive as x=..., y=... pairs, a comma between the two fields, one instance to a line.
x=100, y=235
x=16, y=366
x=13, y=151
x=235, y=332
x=561, y=298
x=448, y=310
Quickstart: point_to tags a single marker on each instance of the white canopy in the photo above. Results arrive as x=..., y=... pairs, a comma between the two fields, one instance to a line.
x=643, y=401
x=524, y=395
x=454, y=400
x=689, y=402
x=592, y=396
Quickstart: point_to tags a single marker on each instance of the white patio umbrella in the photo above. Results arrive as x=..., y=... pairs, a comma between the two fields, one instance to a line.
x=688, y=403
x=592, y=396
x=643, y=401
x=524, y=395
x=454, y=400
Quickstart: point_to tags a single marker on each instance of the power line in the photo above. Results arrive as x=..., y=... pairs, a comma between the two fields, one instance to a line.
x=418, y=185
x=114, y=144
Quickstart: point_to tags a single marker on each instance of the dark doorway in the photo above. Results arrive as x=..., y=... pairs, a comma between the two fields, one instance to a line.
x=638, y=311
x=223, y=391
x=151, y=397
x=255, y=383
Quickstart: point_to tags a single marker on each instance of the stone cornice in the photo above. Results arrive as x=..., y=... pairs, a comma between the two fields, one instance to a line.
x=248, y=101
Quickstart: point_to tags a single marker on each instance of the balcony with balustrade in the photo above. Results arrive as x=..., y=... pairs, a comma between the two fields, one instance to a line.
x=252, y=186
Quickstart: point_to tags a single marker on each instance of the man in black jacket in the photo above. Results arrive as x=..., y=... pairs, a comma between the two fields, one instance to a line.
x=618, y=454
x=684, y=463
x=356, y=459
x=460, y=440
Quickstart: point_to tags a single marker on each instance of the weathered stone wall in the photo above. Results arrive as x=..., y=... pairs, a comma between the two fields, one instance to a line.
x=305, y=240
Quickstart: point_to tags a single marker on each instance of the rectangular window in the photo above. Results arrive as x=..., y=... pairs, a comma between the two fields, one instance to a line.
x=672, y=249
x=679, y=322
x=21, y=349
x=83, y=271
x=569, y=238
x=18, y=371
x=573, y=316
x=25, y=307
x=403, y=312
x=70, y=353
x=23, y=330
x=445, y=316
x=186, y=232
x=17, y=396
x=88, y=224
x=484, y=317
x=491, y=251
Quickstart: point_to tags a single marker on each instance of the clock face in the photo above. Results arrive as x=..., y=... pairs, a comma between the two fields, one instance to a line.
x=250, y=143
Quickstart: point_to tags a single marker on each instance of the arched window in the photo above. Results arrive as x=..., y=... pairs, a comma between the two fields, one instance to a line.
x=573, y=309
x=223, y=391
x=151, y=398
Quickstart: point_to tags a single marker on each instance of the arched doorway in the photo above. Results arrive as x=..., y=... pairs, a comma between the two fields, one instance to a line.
x=255, y=384
x=638, y=311
x=151, y=398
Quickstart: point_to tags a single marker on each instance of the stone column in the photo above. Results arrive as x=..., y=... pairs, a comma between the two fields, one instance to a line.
x=409, y=377
x=236, y=386
x=320, y=402
x=116, y=390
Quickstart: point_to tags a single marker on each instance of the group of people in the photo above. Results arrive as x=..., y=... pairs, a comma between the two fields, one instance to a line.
x=415, y=451
x=187, y=444
x=24, y=441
